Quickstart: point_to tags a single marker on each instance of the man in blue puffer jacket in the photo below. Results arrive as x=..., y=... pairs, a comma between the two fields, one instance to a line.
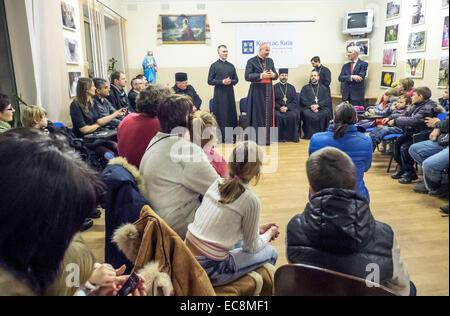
x=337, y=231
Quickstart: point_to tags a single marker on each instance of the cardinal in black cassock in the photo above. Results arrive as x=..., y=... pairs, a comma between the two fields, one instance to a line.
x=287, y=111
x=261, y=72
x=223, y=76
x=316, y=106
x=183, y=87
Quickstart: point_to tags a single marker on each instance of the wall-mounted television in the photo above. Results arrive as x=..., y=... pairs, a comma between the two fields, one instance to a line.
x=358, y=22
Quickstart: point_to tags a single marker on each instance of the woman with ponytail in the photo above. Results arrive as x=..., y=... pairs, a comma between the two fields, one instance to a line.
x=226, y=236
x=344, y=135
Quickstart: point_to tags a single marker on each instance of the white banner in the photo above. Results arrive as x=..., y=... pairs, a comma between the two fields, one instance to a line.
x=284, y=41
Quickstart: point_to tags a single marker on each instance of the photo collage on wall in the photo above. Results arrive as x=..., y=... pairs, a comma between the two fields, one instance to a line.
x=72, y=48
x=415, y=10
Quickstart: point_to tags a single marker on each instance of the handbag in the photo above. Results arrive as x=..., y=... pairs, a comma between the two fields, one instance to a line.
x=443, y=140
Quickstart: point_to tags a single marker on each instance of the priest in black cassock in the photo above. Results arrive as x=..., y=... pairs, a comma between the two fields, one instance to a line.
x=223, y=76
x=324, y=73
x=287, y=111
x=316, y=106
x=261, y=72
x=182, y=86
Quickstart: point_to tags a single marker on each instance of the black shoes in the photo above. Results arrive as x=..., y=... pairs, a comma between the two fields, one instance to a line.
x=398, y=173
x=88, y=223
x=420, y=188
x=96, y=214
x=441, y=192
x=408, y=178
x=444, y=209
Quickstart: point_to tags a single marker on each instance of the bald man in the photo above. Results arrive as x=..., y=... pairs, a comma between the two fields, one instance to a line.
x=353, y=78
x=261, y=72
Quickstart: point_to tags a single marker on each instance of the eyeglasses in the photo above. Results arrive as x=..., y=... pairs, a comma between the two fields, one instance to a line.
x=10, y=109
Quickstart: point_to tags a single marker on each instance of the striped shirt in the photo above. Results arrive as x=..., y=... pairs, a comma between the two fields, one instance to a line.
x=218, y=227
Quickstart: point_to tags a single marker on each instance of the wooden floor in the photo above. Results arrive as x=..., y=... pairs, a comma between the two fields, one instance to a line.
x=422, y=232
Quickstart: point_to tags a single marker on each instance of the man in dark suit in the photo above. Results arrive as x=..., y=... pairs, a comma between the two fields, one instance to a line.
x=353, y=78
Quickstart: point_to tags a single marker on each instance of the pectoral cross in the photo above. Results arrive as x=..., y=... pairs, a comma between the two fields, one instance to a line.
x=285, y=100
x=317, y=100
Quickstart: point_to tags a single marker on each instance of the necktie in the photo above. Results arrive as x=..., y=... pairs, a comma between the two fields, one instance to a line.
x=353, y=66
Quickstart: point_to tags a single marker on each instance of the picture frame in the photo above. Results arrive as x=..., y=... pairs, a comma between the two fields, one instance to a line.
x=417, y=41
x=68, y=16
x=443, y=73
x=391, y=33
x=387, y=79
x=72, y=50
x=363, y=44
x=393, y=9
x=183, y=29
x=390, y=56
x=445, y=33
x=445, y=4
x=418, y=10
x=74, y=76
x=415, y=68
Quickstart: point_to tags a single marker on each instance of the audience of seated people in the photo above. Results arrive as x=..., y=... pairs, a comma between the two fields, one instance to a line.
x=231, y=211
x=6, y=113
x=412, y=122
x=138, y=129
x=34, y=244
x=175, y=170
x=203, y=134
x=182, y=86
x=344, y=135
x=337, y=230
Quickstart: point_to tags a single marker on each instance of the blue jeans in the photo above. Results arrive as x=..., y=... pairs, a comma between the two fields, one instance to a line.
x=239, y=264
x=379, y=133
x=434, y=160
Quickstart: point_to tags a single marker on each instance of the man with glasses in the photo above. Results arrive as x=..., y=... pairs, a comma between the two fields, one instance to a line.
x=6, y=113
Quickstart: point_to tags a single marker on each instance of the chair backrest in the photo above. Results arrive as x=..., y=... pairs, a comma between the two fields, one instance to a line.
x=211, y=106
x=58, y=124
x=442, y=116
x=303, y=280
x=243, y=105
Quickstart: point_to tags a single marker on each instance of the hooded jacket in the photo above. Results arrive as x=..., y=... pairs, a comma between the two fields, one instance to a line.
x=124, y=203
x=338, y=232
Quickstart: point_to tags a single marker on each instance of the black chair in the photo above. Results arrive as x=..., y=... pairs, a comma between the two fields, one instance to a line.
x=303, y=280
x=243, y=118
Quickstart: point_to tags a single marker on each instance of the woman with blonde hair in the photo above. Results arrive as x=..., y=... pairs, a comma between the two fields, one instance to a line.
x=204, y=135
x=226, y=236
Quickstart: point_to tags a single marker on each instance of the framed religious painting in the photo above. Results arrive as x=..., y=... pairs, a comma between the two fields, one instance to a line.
x=183, y=29
x=72, y=49
x=387, y=79
x=390, y=57
x=68, y=16
x=393, y=9
x=415, y=68
x=73, y=82
x=443, y=73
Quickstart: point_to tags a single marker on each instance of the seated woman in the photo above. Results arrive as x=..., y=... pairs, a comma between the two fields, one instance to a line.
x=138, y=129
x=231, y=211
x=344, y=135
x=204, y=135
x=86, y=118
x=6, y=113
x=176, y=171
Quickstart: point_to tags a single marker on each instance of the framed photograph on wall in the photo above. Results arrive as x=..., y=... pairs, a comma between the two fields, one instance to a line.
x=415, y=68
x=73, y=82
x=445, y=34
x=443, y=73
x=390, y=57
x=417, y=42
x=393, y=9
x=183, y=29
x=387, y=79
x=418, y=8
x=68, y=16
x=363, y=44
x=445, y=4
x=391, y=33
x=72, y=50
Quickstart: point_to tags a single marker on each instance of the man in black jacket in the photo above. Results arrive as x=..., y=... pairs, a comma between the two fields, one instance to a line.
x=337, y=231
x=118, y=97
